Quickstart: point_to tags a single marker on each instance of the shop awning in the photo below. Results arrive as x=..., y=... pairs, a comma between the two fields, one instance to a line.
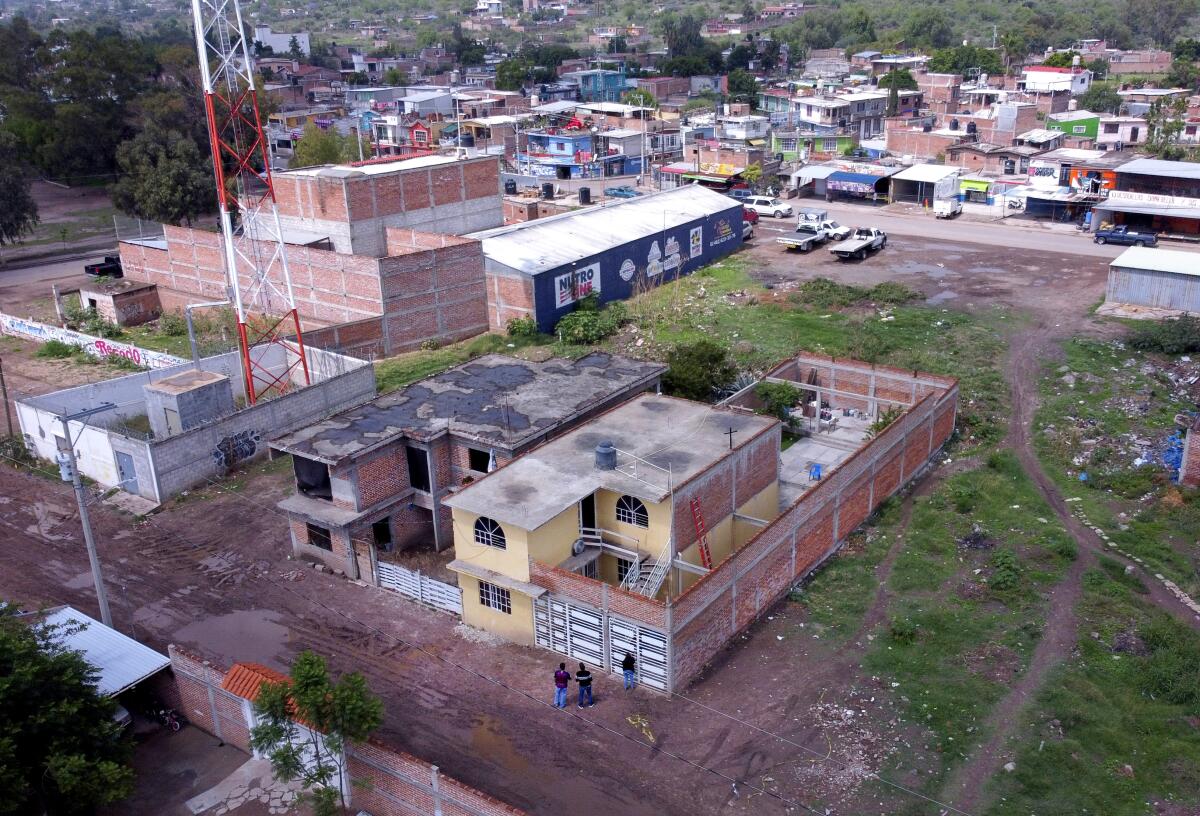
x=703, y=177
x=1148, y=209
x=757, y=142
x=982, y=185
x=852, y=182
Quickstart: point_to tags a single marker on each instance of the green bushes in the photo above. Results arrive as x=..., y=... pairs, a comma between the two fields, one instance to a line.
x=696, y=370
x=172, y=324
x=90, y=322
x=589, y=324
x=1006, y=571
x=1172, y=670
x=823, y=293
x=1179, y=335
x=903, y=630
x=778, y=399
x=55, y=350
x=522, y=327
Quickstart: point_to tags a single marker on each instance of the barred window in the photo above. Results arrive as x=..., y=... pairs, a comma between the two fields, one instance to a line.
x=623, y=567
x=632, y=511
x=495, y=597
x=489, y=533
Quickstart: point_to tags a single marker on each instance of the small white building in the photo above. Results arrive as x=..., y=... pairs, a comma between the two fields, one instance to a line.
x=744, y=128
x=1120, y=132
x=281, y=43
x=1050, y=79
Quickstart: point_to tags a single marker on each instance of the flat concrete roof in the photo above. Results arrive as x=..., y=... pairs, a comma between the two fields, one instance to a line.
x=499, y=401
x=185, y=381
x=663, y=440
x=118, y=286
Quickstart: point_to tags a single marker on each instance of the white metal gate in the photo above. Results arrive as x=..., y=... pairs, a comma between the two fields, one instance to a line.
x=413, y=584
x=648, y=647
x=579, y=632
x=575, y=631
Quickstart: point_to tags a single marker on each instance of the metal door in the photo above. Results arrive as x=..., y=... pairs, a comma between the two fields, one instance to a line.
x=126, y=473
x=575, y=631
x=648, y=647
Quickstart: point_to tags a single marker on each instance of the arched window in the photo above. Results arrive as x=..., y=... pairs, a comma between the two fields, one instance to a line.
x=632, y=511
x=489, y=533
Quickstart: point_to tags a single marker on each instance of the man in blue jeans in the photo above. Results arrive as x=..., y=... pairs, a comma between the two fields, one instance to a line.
x=628, y=664
x=561, y=678
x=584, y=678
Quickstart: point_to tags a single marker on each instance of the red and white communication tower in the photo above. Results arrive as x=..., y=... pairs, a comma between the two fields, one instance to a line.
x=256, y=265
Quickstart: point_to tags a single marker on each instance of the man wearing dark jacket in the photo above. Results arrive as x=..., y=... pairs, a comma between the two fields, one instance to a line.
x=561, y=678
x=628, y=664
x=584, y=678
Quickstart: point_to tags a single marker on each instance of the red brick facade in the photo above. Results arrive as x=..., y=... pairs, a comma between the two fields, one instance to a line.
x=396, y=783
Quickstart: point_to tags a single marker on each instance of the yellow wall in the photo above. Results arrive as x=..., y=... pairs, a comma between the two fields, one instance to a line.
x=729, y=535
x=763, y=506
x=652, y=539
x=551, y=543
x=517, y=627
x=513, y=561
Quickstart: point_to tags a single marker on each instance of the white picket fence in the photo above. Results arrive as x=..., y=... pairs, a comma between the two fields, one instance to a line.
x=412, y=584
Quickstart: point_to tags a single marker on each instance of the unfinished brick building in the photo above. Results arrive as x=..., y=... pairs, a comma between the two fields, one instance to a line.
x=690, y=522
x=371, y=480
x=375, y=246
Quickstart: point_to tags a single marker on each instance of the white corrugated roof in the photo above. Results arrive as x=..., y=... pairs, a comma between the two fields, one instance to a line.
x=1162, y=167
x=1159, y=260
x=121, y=661
x=547, y=243
x=927, y=173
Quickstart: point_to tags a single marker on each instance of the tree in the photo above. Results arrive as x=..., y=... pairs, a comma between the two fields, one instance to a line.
x=18, y=210
x=60, y=750
x=859, y=26
x=617, y=45
x=164, y=178
x=512, y=74
x=740, y=56
x=467, y=50
x=742, y=86
x=682, y=34
x=962, y=59
x=1164, y=123
x=1061, y=59
x=752, y=175
x=696, y=370
x=899, y=78
x=1187, y=49
x=334, y=715
x=1183, y=74
x=294, y=51
x=394, y=76
x=640, y=97
x=317, y=146
x=927, y=26
x=1160, y=20
x=358, y=78
x=1015, y=46
x=1100, y=98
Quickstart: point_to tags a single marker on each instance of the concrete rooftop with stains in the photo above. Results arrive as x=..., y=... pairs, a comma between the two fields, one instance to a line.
x=496, y=400
x=661, y=442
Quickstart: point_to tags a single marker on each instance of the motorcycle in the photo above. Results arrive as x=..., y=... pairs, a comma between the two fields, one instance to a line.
x=169, y=717
x=1016, y=204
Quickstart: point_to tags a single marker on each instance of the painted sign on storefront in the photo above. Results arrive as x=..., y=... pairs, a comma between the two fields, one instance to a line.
x=576, y=284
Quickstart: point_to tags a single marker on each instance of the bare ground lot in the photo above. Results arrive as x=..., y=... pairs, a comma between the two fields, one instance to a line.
x=789, y=710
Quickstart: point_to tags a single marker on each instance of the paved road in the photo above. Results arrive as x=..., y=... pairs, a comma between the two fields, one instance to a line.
x=51, y=271
x=1012, y=233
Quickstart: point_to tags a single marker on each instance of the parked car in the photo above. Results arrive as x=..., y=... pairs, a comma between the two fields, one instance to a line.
x=740, y=193
x=864, y=240
x=808, y=235
x=624, y=191
x=1126, y=236
x=747, y=230
x=764, y=205
x=110, y=268
x=946, y=207
x=749, y=215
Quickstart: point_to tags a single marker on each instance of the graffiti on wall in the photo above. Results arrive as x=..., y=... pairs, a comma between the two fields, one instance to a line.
x=236, y=448
x=96, y=346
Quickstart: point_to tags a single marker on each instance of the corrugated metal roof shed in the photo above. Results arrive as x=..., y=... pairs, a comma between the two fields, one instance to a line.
x=1162, y=167
x=926, y=173
x=121, y=661
x=548, y=243
x=1159, y=260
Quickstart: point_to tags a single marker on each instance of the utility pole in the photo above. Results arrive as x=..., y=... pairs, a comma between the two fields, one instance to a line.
x=4, y=396
x=69, y=472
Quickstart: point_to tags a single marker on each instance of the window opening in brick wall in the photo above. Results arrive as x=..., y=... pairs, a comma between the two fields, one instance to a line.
x=631, y=511
x=495, y=597
x=382, y=532
x=319, y=537
x=489, y=533
x=477, y=460
x=418, y=468
x=590, y=571
x=312, y=478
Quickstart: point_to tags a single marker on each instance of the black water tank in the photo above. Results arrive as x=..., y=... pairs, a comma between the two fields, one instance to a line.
x=954, y=124
x=466, y=140
x=510, y=187
x=547, y=191
x=585, y=195
x=606, y=456
x=971, y=127
x=927, y=127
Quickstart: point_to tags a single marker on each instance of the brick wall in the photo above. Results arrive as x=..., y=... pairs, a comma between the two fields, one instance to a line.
x=400, y=784
x=749, y=582
x=382, y=477
x=509, y=296
x=1189, y=469
x=598, y=594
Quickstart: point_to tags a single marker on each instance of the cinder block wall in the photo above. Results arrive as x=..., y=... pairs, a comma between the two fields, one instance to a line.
x=731, y=597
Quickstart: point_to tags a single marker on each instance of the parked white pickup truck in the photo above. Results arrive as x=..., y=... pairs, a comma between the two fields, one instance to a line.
x=946, y=207
x=807, y=236
x=864, y=240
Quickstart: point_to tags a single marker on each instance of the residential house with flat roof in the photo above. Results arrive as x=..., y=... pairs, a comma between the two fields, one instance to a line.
x=371, y=480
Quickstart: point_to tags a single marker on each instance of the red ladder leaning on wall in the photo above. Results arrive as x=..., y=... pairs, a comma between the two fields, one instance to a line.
x=701, y=534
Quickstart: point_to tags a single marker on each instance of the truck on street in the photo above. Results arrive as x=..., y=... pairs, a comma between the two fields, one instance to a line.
x=1126, y=236
x=946, y=207
x=833, y=230
x=807, y=236
x=864, y=240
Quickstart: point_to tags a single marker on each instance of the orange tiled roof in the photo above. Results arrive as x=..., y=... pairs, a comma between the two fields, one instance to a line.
x=245, y=679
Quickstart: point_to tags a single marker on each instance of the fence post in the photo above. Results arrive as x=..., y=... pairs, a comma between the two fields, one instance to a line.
x=420, y=588
x=436, y=784
x=216, y=717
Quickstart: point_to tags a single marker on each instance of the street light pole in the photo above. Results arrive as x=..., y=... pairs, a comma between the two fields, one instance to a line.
x=69, y=472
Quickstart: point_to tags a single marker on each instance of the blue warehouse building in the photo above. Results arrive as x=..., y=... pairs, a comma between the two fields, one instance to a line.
x=541, y=268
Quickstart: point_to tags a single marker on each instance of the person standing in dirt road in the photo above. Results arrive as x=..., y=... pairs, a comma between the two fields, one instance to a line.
x=584, y=678
x=628, y=664
x=561, y=678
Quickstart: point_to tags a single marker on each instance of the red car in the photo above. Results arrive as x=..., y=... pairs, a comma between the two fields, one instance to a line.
x=749, y=215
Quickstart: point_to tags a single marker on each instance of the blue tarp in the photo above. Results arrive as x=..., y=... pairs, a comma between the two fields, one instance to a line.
x=852, y=182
